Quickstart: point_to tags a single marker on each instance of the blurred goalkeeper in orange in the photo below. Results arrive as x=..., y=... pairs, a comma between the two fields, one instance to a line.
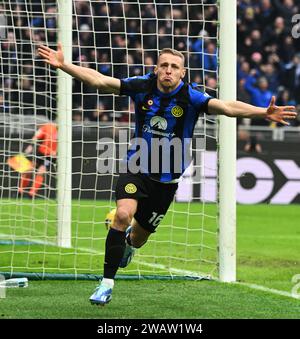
x=43, y=149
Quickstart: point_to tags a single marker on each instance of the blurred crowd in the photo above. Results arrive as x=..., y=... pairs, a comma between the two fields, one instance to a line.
x=122, y=39
x=268, y=54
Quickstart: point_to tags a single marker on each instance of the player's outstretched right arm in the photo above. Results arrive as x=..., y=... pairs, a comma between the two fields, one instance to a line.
x=89, y=76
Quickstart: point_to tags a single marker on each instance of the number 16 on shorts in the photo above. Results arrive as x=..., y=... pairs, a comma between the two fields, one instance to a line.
x=155, y=219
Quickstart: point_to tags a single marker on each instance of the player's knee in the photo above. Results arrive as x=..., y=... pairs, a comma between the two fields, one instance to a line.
x=122, y=218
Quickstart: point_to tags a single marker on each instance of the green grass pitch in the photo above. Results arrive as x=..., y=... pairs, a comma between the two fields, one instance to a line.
x=268, y=240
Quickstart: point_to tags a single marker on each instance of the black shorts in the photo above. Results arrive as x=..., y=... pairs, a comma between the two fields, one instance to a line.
x=154, y=198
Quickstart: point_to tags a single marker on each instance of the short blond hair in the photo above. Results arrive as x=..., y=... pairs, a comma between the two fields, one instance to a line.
x=173, y=52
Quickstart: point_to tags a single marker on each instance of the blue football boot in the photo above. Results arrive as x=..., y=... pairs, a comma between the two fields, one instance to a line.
x=102, y=295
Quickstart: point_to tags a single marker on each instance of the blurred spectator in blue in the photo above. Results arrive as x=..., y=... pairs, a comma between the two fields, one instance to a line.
x=271, y=74
x=267, y=13
x=207, y=55
x=243, y=69
x=104, y=66
x=260, y=95
x=284, y=98
x=291, y=78
x=210, y=57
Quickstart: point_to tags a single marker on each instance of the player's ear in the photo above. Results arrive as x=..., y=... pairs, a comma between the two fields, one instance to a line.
x=155, y=69
x=183, y=73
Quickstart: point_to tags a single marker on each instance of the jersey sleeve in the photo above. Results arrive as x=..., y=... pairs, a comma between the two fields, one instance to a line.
x=134, y=85
x=200, y=100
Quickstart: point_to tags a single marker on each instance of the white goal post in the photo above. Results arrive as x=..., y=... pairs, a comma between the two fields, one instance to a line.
x=64, y=117
x=227, y=144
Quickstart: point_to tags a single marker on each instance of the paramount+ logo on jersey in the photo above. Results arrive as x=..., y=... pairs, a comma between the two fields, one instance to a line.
x=159, y=123
x=157, y=126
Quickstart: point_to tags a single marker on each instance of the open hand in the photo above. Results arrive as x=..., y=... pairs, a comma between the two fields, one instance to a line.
x=52, y=57
x=280, y=113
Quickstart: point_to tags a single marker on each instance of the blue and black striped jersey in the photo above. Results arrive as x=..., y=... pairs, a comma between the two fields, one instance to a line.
x=163, y=117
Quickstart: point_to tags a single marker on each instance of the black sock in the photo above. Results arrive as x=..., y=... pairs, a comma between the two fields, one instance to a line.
x=114, y=250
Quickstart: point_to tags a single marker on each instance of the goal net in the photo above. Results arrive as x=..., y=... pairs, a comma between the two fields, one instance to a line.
x=120, y=39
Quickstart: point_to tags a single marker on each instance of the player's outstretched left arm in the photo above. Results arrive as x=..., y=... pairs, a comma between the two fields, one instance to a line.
x=89, y=76
x=240, y=109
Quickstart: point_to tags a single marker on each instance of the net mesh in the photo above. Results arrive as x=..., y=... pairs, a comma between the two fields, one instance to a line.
x=120, y=39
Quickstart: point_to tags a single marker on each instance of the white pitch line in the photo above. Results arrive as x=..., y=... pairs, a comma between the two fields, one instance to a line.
x=253, y=286
x=84, y=249
x=50, y=243
x=173, y=270
x=269, y=290
x=38, y=242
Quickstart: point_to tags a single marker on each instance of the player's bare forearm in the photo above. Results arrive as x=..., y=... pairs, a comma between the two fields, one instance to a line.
x=92, y=78
x=236, y=109
x=241, y=109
